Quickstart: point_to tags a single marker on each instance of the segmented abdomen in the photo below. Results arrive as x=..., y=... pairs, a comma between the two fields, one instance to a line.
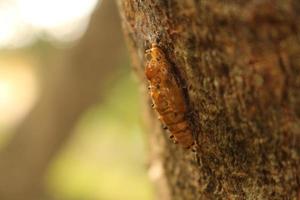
x=168, y=99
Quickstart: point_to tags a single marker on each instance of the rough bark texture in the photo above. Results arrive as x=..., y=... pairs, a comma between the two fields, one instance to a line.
x=240, y=64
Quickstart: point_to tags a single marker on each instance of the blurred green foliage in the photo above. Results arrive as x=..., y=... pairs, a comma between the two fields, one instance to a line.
x=105, y=158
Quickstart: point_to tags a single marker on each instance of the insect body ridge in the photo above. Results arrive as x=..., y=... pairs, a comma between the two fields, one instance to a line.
x=167, y=97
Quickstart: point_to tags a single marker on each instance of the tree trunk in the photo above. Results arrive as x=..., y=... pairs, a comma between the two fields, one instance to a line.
x=239, y=66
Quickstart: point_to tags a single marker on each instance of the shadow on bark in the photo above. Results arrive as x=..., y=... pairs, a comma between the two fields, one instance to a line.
x=239, y=61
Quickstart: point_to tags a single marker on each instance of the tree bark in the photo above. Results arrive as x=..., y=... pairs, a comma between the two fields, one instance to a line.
x=240, y=68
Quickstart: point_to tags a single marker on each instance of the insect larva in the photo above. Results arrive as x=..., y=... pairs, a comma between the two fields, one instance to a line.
x=167, y=97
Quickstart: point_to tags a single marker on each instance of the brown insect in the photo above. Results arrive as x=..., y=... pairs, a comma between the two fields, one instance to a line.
x=167, y=97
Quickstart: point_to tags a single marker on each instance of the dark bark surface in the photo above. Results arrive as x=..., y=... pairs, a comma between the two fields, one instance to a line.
x=240, y=64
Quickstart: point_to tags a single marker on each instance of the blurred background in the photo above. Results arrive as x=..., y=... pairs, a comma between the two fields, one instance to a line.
x=70, y=122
